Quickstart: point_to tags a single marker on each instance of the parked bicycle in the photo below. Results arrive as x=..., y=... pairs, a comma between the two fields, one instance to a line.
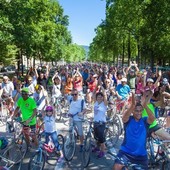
x=111, y=133
x=158, y=153
x=44, y=153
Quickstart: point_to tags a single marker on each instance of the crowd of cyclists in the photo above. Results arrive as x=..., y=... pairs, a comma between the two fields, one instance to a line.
x=143, y=92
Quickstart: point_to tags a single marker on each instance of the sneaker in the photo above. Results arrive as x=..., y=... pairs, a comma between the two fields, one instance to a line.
x=60, y=159
x=95, y=149
x=101, y=154
x=81, y=148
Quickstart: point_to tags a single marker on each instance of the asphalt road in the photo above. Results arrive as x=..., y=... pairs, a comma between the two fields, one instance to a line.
x=104, y=163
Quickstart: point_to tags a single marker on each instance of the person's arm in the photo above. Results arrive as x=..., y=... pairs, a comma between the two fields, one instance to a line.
x=136, y=67
x=15, y=112
x=36, y=73
x=128, y=112
x=104, y=95
x=56, y=74
x=145, y=102
x=156, y=84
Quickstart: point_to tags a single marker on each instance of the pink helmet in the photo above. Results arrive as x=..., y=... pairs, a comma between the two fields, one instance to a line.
x=49, y=108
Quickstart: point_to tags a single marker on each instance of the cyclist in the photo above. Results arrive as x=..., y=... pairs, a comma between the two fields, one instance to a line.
x=100, y=109
x=27, y=106
x=133, y=148
x=50, y=130
x=76, y=110
x=40, y=96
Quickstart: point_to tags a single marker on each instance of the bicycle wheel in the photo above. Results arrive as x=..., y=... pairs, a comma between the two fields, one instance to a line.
x=69, y=147
x=37, y=162
x=13, y=153
x=117, y=118
x=112, y=134
x=61, y=140
x=86, y=151
x=22, y=144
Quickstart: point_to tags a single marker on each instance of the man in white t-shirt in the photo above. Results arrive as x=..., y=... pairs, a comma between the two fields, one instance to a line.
x=7, y=87
x=76, y=111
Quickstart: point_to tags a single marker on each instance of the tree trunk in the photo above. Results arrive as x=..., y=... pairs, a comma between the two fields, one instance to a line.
x=129, y=51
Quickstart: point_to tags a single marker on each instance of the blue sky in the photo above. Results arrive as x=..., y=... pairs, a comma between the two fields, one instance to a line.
x=84, y=17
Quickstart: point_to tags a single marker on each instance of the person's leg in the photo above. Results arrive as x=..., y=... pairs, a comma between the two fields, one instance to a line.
x=55, y=140
x=33, y=135
x=163, y=134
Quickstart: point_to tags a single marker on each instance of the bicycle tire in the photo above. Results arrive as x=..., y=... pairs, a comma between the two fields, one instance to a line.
x=13, y=153
x=69, y=147
x=117, y=118
x=37, y=161
x=112, y=134
x=22, y=144
x=61, y=140
x=86, y=151
x=165, y=165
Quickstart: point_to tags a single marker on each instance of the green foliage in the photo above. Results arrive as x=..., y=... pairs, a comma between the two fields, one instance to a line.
x=133, y=28
x=35, y=28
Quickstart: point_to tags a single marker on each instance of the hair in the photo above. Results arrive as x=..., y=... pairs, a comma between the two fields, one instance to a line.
x=99, y=94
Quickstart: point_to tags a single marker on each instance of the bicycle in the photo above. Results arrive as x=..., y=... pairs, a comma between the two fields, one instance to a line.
x=111, y=139
x=127, y=165
x=70, y=141
x=12, y=155
x=43, y=154
x=158, y=153
x=60, y=104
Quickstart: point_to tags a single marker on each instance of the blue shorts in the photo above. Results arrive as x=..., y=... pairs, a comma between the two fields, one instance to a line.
x=124, y=158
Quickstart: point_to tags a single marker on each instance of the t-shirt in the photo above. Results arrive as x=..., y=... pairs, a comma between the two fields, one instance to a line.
x=100, y=110
x=76, y=107
x=131, y=81
x=134, y=142
x=144, y=114
x=27, y=107
x=49, y=124
x=123, y=90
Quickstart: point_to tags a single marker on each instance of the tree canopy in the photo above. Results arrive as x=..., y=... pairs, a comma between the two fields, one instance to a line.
x=35, y=29
x=133, y=29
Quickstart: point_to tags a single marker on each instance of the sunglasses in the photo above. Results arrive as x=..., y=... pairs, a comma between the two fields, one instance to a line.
x=49, y=111
x=74, y=94
x=138, y=110
x=25, y=94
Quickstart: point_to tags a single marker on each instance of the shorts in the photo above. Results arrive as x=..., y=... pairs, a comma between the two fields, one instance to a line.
x=79, y=126
x=99, y=131
x=29, y=130
x=124, y=158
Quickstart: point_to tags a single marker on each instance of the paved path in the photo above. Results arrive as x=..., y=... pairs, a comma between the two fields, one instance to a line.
x=105, y=163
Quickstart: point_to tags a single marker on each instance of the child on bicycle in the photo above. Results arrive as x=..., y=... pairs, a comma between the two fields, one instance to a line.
x=50, y=129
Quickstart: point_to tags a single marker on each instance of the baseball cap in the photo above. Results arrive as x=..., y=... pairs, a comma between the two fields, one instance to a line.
x=150, y=80
x=124, y=79
x=25, y=89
